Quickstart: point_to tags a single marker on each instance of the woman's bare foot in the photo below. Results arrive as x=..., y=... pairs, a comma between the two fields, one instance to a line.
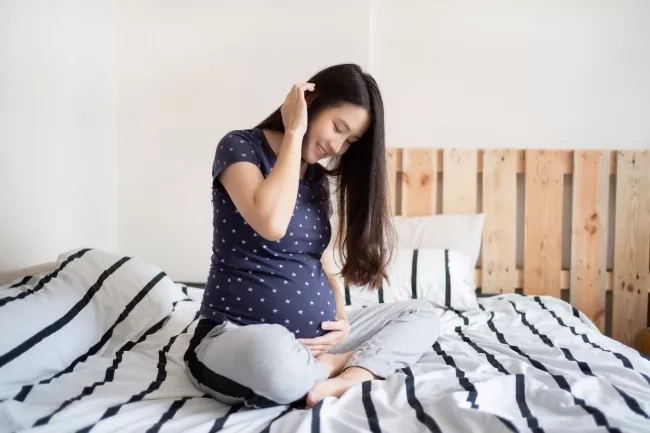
x=337, y=386
x=334, y=363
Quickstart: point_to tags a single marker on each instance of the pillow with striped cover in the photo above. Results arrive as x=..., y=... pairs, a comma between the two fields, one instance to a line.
x=89, y=304
x=442, y=276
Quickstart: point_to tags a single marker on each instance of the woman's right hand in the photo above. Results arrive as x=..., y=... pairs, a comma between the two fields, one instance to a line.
x=294, y=109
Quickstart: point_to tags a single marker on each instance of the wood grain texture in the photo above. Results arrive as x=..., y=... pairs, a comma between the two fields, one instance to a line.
x=419, y=182
x=543, y=223
x=631, y=245
x=642, y=342
x=589, y=234
x=565, y=279
x=500, y=231
x=459, y=181
x=565, y=159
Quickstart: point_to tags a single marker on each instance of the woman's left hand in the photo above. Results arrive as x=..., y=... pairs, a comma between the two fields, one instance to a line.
x=337, y=332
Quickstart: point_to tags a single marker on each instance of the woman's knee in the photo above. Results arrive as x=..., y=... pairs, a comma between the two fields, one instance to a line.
x=287, y=370
x=266, y=359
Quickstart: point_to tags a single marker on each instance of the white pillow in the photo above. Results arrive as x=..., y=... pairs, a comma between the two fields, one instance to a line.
x=441, y=276
x=459, y=232
x=91, y=303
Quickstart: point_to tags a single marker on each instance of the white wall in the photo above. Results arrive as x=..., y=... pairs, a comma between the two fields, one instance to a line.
x=58, y=137
x=512, y=73
x=190, y=71
x=466, y=73
x=462, y=73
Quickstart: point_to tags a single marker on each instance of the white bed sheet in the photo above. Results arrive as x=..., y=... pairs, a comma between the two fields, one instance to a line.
x=520, y=364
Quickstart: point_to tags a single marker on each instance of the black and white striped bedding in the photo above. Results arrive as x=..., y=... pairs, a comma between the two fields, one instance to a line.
x=518, y=364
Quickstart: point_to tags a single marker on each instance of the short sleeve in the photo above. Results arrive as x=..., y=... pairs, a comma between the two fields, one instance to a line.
x=235, y=146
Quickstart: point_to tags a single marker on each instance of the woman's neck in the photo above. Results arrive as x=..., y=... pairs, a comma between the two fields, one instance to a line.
x=274, y=138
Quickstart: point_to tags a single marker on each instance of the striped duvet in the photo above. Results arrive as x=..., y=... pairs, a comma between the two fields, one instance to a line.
x=97, y=346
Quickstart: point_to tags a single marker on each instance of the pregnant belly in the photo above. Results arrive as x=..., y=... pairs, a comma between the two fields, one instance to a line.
x=301, y=313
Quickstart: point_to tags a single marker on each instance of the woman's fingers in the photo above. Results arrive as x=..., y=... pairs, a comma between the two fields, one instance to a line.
x=294, y=109
x=337, y=325
x=327, y=339
x=305, y=86
x=311, y=341
x=319, y=349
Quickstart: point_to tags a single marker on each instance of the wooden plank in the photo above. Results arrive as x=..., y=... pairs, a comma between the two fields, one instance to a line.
x=631, y=245
x=565, y=160
x=419, y=182
x=543, y=223
x=499, y=248
x=393, y=158
x=459, y=181
x=565, y=279
x=589, y=234
x=642, y=343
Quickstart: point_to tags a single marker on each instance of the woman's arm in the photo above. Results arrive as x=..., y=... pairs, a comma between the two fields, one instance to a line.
x=267, y=204
x=329, y=269
x=338, y=330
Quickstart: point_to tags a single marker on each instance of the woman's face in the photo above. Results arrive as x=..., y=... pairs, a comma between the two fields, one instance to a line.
x=333, y=130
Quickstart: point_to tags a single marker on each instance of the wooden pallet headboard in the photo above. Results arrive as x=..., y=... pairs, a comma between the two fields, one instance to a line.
x=491, y=176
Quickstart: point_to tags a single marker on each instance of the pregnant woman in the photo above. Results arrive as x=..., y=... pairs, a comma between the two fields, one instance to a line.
x=274, y=328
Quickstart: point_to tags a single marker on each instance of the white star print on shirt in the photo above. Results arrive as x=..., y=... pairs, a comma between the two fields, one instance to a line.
x=303, y=259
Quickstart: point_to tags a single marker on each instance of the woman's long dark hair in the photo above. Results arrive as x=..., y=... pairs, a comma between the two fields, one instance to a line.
x=365, y=234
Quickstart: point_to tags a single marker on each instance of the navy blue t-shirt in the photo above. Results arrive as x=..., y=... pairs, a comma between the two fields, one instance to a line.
x=253, y=280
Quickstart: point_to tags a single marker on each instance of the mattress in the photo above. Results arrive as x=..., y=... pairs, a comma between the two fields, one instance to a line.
x=518, y=364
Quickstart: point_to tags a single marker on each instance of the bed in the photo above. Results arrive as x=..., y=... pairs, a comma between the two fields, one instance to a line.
x=96, y=343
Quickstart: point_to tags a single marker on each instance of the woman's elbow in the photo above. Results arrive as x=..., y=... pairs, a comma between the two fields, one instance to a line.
x=273, y=231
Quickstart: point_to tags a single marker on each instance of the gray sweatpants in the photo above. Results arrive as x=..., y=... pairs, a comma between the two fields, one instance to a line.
x=264, y=364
